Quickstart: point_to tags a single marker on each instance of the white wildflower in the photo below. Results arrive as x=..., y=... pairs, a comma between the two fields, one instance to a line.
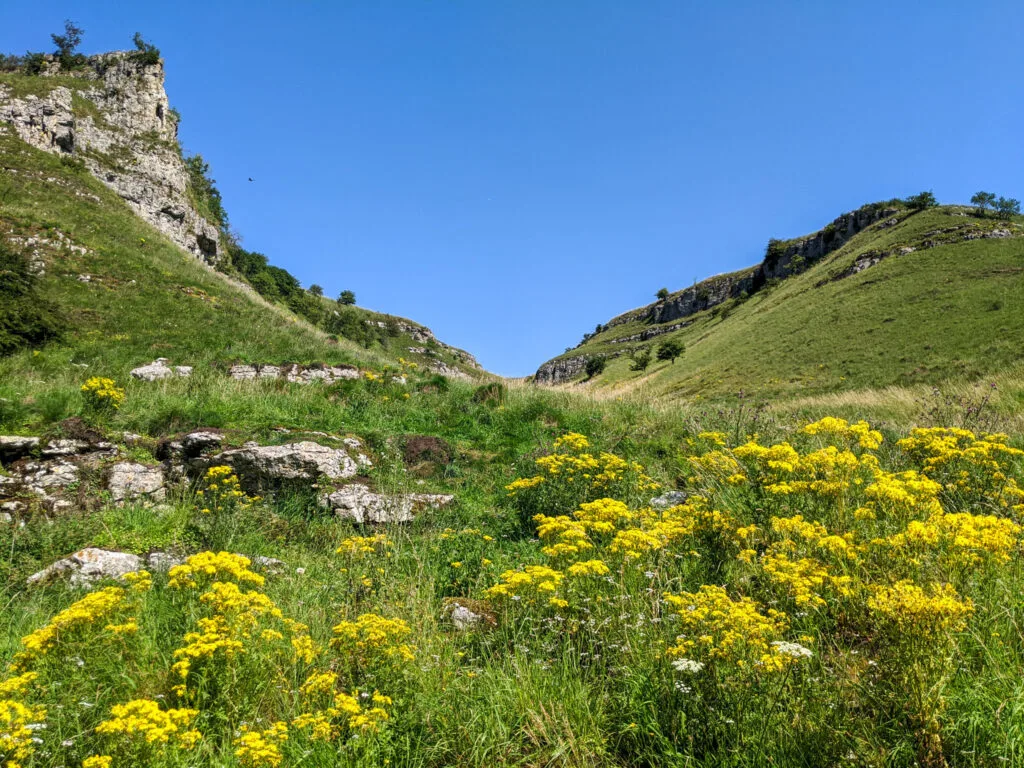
x=688, y=666
x=795, y=650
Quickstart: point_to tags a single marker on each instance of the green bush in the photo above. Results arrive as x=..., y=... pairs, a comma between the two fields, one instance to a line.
x=595, y=366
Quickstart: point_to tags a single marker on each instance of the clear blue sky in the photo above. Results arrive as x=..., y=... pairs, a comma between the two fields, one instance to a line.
x=512, y=173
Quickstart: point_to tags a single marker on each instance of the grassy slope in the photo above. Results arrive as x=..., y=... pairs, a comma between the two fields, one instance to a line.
x=936, y=314
x=146, y=298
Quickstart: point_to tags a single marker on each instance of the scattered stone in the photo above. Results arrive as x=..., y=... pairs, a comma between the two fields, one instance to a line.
x=128, y=481
x=467, y=614
x=131, y=439
x=358, y=503
x=197, y=443
x=14, y=447
x=669, y=499
x=162, y=561
x=88, y=566
x=269, y=564
x=159, y=369
x=299, y=374
x=56, y=448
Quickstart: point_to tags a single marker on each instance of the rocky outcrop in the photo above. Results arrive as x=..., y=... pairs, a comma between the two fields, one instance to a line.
x=86, y=567
x=560, y=370
x=299, y=374
x=356, y=502
x=114, y=115
x=262, y=468
x=159, y=369
x=14, y=447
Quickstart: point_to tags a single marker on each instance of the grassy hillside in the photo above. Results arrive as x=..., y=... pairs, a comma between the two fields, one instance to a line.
x=127, y=295
x=946, y=310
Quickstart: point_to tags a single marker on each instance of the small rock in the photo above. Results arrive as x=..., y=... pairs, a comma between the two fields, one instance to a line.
x=88, y=566
x=162, y=561
x=669, y=499
x=466, y=614
x=159, y=369
x=65, y=448
x=358, y=503
x=131, y=439
x=129, y=481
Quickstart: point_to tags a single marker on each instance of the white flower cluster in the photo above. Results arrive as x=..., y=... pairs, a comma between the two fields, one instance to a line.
x=688, y=666
x=795, y=650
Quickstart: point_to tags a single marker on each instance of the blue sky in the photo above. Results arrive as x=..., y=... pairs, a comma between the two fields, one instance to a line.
x=513, y=173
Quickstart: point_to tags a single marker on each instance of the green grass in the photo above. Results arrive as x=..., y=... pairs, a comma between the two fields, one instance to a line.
x=944, y=313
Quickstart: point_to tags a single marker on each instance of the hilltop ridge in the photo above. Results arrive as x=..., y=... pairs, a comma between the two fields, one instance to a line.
x=945, y=253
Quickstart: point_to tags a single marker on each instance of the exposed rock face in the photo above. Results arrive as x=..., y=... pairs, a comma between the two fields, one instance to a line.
x=267, y=467
x=118, y=121
x=452, y=373
x=358, y=503
x=159, y=369
x=127, y=481
x=86, y=567
x=557, y=371
x=300, y=374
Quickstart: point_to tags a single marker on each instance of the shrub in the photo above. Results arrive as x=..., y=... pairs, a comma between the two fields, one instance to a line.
x=662, y=294
x=144, y=53
x=204, y=191
x=595, y=365
x=1006, y=208
x=641, y=360
x=316, y=290
x=493, y=393
x=347, y=298
x=670, y=350
x=921, y=201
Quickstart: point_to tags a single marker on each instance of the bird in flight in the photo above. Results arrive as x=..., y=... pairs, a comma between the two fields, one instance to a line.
x=250, y=178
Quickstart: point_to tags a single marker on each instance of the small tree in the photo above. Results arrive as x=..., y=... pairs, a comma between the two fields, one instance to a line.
x=316, y=290
x=347, y=298
x=983, y=200
x=68, y=43
x=1007, y=207
x=641, y=359
x=595, y=366
x=670, y=350
x=921, y=201
x=144, y=53
x=662, y=294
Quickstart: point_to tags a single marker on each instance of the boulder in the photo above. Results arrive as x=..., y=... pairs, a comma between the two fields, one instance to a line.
x=128, y=481
x=66, y=447
x=88, y=566
x=265, y=467
x=358, y=503
x=14, y=447
x=159, y=369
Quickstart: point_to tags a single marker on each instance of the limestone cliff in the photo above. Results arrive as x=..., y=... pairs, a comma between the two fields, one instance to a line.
x=113, y=116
